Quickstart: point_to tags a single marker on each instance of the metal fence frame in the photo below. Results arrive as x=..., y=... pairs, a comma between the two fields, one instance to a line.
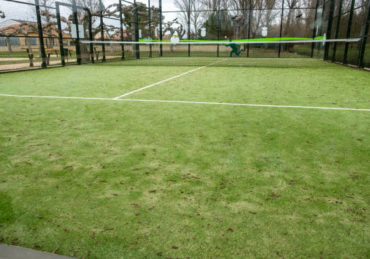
x=323, y=4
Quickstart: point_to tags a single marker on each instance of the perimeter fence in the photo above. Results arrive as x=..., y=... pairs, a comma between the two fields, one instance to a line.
x=44, y=33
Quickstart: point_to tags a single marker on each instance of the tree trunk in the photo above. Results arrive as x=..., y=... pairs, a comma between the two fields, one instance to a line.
x=7, y=39
x=28, y=41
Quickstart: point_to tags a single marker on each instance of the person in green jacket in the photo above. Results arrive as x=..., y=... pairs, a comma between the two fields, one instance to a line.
x=235, y=49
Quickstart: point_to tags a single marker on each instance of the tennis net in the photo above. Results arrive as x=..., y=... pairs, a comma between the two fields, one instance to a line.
x=116, y=50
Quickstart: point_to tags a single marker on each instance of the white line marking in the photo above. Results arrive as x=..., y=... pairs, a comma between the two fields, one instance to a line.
x=187, y=102
x=249, y=105
x=164, y=81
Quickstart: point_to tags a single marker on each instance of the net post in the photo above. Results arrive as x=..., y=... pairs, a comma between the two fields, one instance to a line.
x=160, y=29
x=314, y=28
x=281, y=25
x=150, y=27
x=60, y=34
x=249, y=25
x=90, y=35
x=121, y=30
x=349, y=26
x=364, y=37
x=101, y=27
x=136, y=20
x=40, y=34
x=189, y=13
x=337, y=29
x=328, y=30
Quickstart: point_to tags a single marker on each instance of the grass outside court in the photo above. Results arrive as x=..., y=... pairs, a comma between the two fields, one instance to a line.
x=101, y=178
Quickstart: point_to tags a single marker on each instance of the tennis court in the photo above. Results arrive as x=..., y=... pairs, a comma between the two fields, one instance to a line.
x=285, y=82
x=187, y=157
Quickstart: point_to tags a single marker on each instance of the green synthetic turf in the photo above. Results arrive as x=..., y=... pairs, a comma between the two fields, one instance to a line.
x=104, y=179
x=306, y=82
x=89, y=81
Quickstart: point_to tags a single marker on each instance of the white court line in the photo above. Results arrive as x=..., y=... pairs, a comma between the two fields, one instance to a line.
x=187, y=102
x=166, y=80
x=248, y=105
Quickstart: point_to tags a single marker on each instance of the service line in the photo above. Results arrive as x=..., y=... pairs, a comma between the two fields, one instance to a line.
x=166, y=80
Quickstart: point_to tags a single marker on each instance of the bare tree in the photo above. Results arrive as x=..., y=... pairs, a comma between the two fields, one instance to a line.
x=196, y=16
x=270, y=15
x=213, y=4
x=292, y=5
x=48, y=21
x=240, y=20
x=190, y=10
x=174, y=26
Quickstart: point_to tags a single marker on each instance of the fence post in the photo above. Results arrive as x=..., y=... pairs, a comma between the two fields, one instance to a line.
x=136, y=20
x=60, y=35
x=314, y=28
x=121, y=30
x=150, y=27
x=218, y=26
x=328, y=31
x=102, y=38
x=189, y=14
x=364, y=37
x=322, y=23
x=249, y=25
x=160, y=29
x=90, y=36
x=41, y=35
x=345, y=59
x=337, y=29
x=281, y=25
x=75, y=21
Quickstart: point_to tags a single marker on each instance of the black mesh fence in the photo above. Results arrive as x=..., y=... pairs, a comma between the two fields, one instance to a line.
x=39, y=33
x=349, y=21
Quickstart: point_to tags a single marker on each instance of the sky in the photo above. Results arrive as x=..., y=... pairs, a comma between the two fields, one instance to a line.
x=26, y=12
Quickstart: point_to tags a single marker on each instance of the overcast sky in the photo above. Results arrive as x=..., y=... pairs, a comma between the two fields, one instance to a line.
x=26, y=12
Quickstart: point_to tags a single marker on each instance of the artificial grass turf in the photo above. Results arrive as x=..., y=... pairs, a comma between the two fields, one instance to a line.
x=306, y=82
x=104, y=179
x=87, y=81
